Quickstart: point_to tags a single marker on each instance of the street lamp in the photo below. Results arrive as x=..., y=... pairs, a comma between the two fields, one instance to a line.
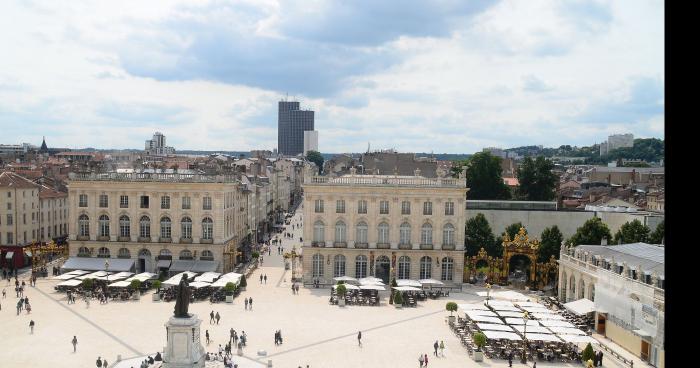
x=526, y=317
x=488, y=293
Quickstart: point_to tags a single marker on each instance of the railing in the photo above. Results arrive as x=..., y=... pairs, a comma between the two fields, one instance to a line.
x=206, y=241
x=405, y=246
x=186, y=240
x=448, y=247
x=140, y=176
x=361, y=245
x=144, y=239
x=616, y=355
x=426, y=246
x=318, y=244
x=383, y=245
x=388, y=180
x=340, y=245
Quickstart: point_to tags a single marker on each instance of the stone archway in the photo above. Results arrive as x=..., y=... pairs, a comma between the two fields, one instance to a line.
x=521, y=246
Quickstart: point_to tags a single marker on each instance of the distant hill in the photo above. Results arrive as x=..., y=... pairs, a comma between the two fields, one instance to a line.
x=647, y=149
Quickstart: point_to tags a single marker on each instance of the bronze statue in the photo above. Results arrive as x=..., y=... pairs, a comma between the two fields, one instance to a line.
x=182, y=300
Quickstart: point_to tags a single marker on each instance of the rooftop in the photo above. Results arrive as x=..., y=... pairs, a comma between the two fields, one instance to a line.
x=649, y=256
x=10, y=179
x=153, y=177
x=387, y=180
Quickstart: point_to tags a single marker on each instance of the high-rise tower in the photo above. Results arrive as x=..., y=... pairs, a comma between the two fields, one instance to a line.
x=291, y=125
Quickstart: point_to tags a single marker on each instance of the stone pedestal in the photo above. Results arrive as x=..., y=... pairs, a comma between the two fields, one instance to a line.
x=184, y=349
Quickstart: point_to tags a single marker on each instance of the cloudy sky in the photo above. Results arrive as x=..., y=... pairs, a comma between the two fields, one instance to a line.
x=446, y=76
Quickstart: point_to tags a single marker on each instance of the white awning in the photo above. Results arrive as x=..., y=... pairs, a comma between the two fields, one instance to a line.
x=468, y=306
x=120, y=275
x=532, y=329
x=581, y=307
x=494, y=327
x=407, y=282
x=479, y=318
x=555, y=323
x=431, y=282
x=199, y=284
x=97, y=264
x=204, y=266
x=530, y=304
x=345, y=278
x=473, y=313
x=538, y=310
x=643, y=333
x=65, y=276
x=372, y=287
x=121, y=284
x=497, y=335
x=208, y=277
x=519, y=321
x=548, y=316
x=579, y=339
x=506, y=308
x=541, y=337
x=406, y=288
x=510, y=314
x=348, y=287
x=502, y=303
x=566, y=330
x=70, y=283
x=77, y=272
x=143, y=276
x=221, y=282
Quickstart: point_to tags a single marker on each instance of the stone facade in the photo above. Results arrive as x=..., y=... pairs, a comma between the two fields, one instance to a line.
x=384, y=226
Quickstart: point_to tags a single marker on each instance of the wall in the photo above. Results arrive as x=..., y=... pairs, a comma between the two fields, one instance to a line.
x=623, y=338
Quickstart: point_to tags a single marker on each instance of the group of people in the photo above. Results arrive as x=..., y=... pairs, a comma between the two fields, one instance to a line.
x=101, y=363
x=214, y=318
x=23, y=303
x=150, y=360
x=598, y=359
x=263, y=278
x=295, y=288
x=248, y=303
x=278, y=337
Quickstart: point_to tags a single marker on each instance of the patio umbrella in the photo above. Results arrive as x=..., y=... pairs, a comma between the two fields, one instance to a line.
x=431, y=282
x=348, y=287
x=406, y=288
x=372, y=287
x=370, y=280
x=345, y=278
x=407, y=282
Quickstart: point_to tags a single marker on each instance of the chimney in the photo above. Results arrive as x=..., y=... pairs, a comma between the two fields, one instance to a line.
x=604, y=241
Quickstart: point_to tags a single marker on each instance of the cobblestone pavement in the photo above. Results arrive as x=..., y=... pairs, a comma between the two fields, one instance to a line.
x=315, y=333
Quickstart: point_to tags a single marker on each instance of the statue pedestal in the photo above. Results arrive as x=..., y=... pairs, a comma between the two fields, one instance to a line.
x=184, y=349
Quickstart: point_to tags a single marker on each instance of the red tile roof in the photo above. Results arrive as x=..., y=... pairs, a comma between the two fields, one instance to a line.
x=12, y=180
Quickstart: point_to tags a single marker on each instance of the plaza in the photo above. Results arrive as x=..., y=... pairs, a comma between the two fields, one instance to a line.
x=315, y=333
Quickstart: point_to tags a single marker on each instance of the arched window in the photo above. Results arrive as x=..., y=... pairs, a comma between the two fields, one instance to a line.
x=165, y=227
x=581, y=289
x=145, y=227
x=360, y=267
x=186, y=228
x=186, y=254
x=361, y=236
x=405, y=233
x=340, y=231
x=165, y=254
x=317, y=265
x=404, y=267
x=448, y=266
x=124, y=253
x=103, y=253
x=124, y=226
x=104, y=225
x=207, y=228
x=426, y=267
x=591, y=292
x=426, y=234
x=383, y=233
x=84, y=225
x=319, y=231
x=448, y=235
x=83, y=252
x=145, y=253
x=207, y=255
x=339, y=265
x=572, y=287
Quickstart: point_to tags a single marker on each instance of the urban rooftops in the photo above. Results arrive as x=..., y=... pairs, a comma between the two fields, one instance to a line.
x=387, y=180
x=153, y=177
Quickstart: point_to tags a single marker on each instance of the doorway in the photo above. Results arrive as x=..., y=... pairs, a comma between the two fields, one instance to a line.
x=600, y=324
x=382, y=268
x=646, y=347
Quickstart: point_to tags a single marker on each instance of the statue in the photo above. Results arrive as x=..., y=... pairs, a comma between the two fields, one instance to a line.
x=182, y=299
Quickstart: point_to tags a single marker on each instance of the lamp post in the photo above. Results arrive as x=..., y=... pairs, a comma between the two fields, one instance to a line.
x=106, y=269
x=526, y=317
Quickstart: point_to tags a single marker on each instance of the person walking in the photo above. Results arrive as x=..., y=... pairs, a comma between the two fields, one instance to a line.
x=442, y=348
x=74, y=342
x=250, y=303
x=98, y=363
x=420, y=359
x=4, y=293
x=104, y=363
x=265, y=278
x=425, y=360
x=206, y=334
x=436, y=346
x=211, y=317
x=359, y=338
x=218, y=317
x=261, y=278
x=231, y=332
x=246, y=303
x=31, y=327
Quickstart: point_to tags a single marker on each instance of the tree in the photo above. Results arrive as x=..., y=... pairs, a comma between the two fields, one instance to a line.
x=591, y=233
x=87, y=284
x=632, y=232
x=458, y=167
x=658, y=235
x=478, y=234
x=587, y=353
x=135, y=284
x=230, y=288
x=243, y=282
x=157, y=284
x=341, y=289
x=479, y=340
x=513, y=230
x=451, y=307
x=484, y=177
x=537, y=181
x=550, y=244
x=398, y=298
x=315, y=157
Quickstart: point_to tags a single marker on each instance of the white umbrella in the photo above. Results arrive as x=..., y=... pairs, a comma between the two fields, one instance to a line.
x=348, y=287
x=372, y=287
x=345, y=278
x=406, y=288
x=407, y=282
x=199, y=284
x=120, y=284
x=370, y=280
x=431, y=282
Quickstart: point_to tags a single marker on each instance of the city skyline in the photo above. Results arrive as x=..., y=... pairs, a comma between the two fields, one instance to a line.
x=447, y=77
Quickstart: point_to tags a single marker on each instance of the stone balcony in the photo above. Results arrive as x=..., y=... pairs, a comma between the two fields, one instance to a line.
x=124, y=238
x=165, y=240
x=82, y=238
x=103, y=238
x=383, y=245
x=448, y=247
x=206, y=241
x=426, y=247
x=405, y=246
x=186, y=240
x=340, y=244
x=318, y=244
x=361, y=245
x=144, y=239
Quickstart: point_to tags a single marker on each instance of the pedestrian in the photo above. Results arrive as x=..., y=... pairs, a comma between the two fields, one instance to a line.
x=31, y=327
x=600, y=358
x=420, y=359
x=265, y=278
x=231, y=332
x=293, y=289
x=98, y=363
x=218, y=317
x=534, y=364
x=74, y=342
x=435, y=346
x=4, y=293
x=211, y=317
x=510, y=359
x=442, y=348
x=359, y=338
x=261, y=278
x=29, y=308
x=250, y=303
x=207, y=336
x=246, y=303
x=426, y=360
x=104, y=363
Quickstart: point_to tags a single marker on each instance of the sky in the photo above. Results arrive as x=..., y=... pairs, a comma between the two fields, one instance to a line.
x=446, y=76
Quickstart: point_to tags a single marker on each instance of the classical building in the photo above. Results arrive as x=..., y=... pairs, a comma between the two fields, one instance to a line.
x=626, y=283
x=155, y=221
x=407, y=227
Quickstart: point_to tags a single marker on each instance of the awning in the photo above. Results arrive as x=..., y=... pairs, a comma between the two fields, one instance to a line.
x=541, y=337
x=578, y=339
x=581, y=307
x=120, y=284
x=98, y=264
x=205, y=266
x=494, y=327
x=9, y=255
x=180, y=265
x=497, y=335
x=163, y=263
x=70, y=283
x=643, y=333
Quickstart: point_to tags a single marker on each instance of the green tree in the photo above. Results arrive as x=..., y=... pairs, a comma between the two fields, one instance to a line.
x=513, y=230
x=243, y=283
x=537, y=181
x=315, y=157
x=479, y=340
x=398, y=298
x=587, y=353
x=632, y=232
x=658, y=235
x=484, y=177
x=457, y=167
x=478, y=234
x=591, y=233
x=550, y=244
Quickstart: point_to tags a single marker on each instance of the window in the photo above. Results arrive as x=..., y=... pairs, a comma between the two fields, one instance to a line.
x=165, y=254
x=104, y=225
x=9, y=206
x=448, y=266
x=124, y=226
x=360, y=267
x=186, y=228
x=104, y=201
x=317, y=261
x=145, y=227
x=206, y=203
x=426, y=267
x=383, y=233
x=427, y=208
x=103, y=253
x=186, y=255
x=361, y=236
x=405, y=233
x=448, y=235
x=207, y=228
x=318, y=208
x=404, y=267
x=405, y=208
x=362, y=207
x=82, y=200
x=124, y=253
x=24, y=218
x=165, y=228
x=83, y=252
x=340, y=206
x=10, y=238
x=9, y=194
x=144, y=202
x=207, y=255
x=9, y=219
x=384, y=207
x=339, y=265
x=84, y=225
x=340, y=232
x=165, y=202
x=319, y=230
x=426, y=234
x=449, y=208
x=186, y=203
x=123, y=201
